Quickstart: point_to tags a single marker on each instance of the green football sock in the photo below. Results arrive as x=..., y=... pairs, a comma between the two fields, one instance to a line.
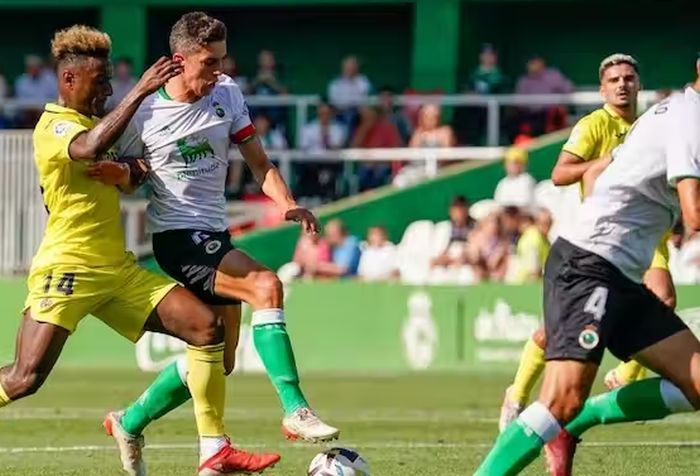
x=639, y=401
x=514, y=449
x=166, y=393
x=275, y=349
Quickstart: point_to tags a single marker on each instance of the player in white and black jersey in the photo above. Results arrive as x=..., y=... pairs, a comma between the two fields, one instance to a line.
x=184, y=132
x=594, y=297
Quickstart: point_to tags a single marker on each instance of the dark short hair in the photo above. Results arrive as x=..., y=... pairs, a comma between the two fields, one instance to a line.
x=459, y=201
x=195, y=29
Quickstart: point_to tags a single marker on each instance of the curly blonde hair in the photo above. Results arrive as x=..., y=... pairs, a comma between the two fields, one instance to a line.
x=80, y=40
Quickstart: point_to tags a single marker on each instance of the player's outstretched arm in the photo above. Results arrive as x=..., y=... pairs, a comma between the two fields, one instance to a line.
x=93, y=143
x=274, y=186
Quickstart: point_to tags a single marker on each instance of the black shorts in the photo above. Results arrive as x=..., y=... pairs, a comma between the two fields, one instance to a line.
x=192, y=258
x=590, y=305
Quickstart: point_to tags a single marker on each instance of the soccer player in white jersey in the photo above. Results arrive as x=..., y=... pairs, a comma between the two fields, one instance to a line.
x=594, y=297
x=184, y=131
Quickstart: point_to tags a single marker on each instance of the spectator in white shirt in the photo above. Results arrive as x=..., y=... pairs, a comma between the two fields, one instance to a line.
x=325, y=133
x=351, y=86
x=122, y=82
x=37, y=83
x=318, y=179
x=517, y=188
x=379, y=259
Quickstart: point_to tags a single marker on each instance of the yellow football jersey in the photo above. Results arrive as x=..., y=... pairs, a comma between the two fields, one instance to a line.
x=597, y=134
x=84, y=225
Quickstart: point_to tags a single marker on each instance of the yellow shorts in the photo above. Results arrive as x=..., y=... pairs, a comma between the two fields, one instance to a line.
x=660, y=259
x=121, y=296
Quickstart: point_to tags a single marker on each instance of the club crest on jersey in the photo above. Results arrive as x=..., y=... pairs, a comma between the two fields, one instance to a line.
x=218, y=109
x=193, y=148
x=588, y=338
x=212, y=246
x=61, y=128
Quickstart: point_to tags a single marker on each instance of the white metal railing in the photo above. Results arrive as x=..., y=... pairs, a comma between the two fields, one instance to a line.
x=492, y=103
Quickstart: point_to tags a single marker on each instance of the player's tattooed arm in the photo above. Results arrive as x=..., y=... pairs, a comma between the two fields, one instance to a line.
x=274, y=186
x=91, y=144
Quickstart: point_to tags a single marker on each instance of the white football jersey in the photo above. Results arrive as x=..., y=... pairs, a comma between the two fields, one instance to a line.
x=634, y=201
x=186, y=145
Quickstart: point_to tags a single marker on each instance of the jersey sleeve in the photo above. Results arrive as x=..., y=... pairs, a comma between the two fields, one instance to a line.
x=242, y=129
x=56, y=139
x=683, y=143
x=583, y=139
x=130, y=144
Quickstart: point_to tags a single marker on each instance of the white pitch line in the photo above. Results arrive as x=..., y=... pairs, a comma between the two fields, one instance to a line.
x=369, y=445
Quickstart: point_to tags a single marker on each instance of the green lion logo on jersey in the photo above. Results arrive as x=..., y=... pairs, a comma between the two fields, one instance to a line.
x=193, y=149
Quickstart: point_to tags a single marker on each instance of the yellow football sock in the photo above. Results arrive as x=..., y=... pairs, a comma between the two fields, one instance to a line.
x=207, y=383
x=529, y=370
x=628, y=372
x=4, y=399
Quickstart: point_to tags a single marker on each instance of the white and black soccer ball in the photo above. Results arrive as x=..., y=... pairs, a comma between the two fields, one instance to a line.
x=338, y=462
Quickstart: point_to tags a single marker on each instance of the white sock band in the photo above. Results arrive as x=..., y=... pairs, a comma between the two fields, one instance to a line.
x=209, y=446
x=181, y=363
x=267, y=316
x=674, y=398
x=539, y=419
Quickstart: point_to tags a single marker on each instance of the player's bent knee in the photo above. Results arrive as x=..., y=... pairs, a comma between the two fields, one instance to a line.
x=209, y=332
x=268, y=290
x=567, y=404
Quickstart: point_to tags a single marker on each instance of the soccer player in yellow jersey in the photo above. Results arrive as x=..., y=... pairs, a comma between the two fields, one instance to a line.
x=582, y=158
x=82, y=266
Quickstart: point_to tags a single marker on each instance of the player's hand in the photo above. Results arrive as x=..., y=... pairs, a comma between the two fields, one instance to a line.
x=308, y=221
x=158, y=74
x=110, y=173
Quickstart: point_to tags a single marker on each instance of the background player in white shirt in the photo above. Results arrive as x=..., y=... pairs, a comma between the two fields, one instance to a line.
x=184, y=131
x=594, y=297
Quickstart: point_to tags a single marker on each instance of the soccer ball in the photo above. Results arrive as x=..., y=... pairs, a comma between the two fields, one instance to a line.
x=338, y=462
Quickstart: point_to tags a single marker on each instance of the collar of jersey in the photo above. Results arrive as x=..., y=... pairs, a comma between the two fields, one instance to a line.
x=611, y=111
x=53, y=107
x=164, y=94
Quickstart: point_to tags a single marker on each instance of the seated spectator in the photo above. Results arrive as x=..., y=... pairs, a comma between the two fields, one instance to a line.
x=379, y=260
x=461, y=226
x=324, y=133
x=267, y=83
x=122, y=82
x=429, y=131
x=311, y=250
x=533, y=247
x=517, y=188
x=351, y=87
x=487, y=249
x=345, y=252
x=511, y=225
x=36, y=85
x=396, y=117
x=270, y=137
x=374, y=130
x=230, y=69
x=487, y=78
x=240, y=180
x=541, y=79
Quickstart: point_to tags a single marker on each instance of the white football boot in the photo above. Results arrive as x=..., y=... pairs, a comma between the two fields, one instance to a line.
x=130, y=447
x=303, y=424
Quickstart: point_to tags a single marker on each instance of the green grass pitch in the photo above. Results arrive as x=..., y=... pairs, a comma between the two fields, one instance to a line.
x=419, y=424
